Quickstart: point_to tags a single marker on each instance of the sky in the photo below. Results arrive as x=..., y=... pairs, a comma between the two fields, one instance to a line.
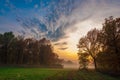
x=64, y=22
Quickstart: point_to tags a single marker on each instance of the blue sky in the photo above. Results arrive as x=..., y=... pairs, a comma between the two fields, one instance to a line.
x=42, y=18
x=62, y=21
x=38, y=17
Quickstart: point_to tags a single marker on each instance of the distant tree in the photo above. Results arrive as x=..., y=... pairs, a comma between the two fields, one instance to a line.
x=46, y=54
x=89, y=44
x=68, y=62
x=83, y=60
x=18, y=51
x=36, y=51
x=31, y=51
x=12, y=51
x=5, y=40
x=1, y=47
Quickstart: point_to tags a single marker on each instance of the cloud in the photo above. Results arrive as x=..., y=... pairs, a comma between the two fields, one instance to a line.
x=63, y=48
x=61, y=43
x=56, y=19
x=36, y=6
x=52, y=24
x=88, y=15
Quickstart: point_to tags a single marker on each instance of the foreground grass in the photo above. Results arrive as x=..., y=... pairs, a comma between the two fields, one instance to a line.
x=51, y=74
x=27, y=73
x=83, y=75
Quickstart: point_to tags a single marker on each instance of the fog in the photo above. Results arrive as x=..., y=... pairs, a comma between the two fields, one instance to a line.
x=76, y=66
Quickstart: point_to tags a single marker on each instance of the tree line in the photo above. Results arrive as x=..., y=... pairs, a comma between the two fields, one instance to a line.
x=102, y=47
x=19, y=51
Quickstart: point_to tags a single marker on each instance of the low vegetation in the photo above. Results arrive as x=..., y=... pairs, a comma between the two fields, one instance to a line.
x=51, y=74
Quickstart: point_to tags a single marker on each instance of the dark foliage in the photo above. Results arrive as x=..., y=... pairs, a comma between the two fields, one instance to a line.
x=20, y=51
x=103, y=46
x=109, y=59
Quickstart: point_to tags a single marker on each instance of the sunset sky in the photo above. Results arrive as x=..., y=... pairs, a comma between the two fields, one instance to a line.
x=61, y=21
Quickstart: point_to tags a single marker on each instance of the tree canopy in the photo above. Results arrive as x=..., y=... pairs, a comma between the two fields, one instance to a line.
x=103, y=46
x=17, y=50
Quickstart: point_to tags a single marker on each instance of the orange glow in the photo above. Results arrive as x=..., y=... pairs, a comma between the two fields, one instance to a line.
x=67, y=55
x=73, y=38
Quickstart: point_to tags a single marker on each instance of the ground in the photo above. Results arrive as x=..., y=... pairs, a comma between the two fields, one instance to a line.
x=51, y=74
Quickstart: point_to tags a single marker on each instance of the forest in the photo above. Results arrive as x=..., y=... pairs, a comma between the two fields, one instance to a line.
x=20, y=51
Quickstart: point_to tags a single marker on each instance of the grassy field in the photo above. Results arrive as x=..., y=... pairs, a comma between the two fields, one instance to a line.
x=50, y=74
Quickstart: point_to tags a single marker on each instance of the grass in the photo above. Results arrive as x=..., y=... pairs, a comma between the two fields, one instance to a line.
x=83, y=75
x=27, y=73
x=51, y=74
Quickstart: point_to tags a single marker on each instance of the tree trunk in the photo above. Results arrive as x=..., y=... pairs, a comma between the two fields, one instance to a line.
x=95, y=63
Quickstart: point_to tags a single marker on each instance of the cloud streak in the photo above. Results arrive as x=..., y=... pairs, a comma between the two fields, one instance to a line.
x=63, y=48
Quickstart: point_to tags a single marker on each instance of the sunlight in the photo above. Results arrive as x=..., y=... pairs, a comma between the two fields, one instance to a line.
x=81, y=29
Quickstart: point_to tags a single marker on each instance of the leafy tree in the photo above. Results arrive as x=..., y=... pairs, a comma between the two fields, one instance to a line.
x=83, y=60
x=109, y=58
x=19, y=51
x=89, y=44
x=5, y=40
x=1, y=46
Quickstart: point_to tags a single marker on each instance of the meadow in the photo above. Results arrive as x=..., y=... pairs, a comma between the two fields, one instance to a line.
x=51, y=74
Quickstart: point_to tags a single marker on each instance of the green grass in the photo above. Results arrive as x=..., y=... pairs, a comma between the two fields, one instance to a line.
x=93, y=75
x=51, y=74
x=83, y=75
x=27, y=73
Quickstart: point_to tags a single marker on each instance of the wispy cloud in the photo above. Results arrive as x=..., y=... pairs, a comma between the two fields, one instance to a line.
x=62, y=43
x=63, y=48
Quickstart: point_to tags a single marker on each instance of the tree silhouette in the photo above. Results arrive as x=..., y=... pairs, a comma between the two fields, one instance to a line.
x=19, y=51
x=103, y=46
x=89, y=44
x=5, y=39
x=109, y=58
x=83, y=60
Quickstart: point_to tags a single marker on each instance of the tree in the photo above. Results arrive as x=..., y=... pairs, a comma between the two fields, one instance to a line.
x=1, y=47
x=19, y=51
x=111, y=34
x=109, y=58
x=46, y=54
x=89, y=44
x=83, y=60
x=5, y=40
x=12, y=51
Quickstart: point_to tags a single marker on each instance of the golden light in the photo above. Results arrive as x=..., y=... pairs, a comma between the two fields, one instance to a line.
x=73, y=38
